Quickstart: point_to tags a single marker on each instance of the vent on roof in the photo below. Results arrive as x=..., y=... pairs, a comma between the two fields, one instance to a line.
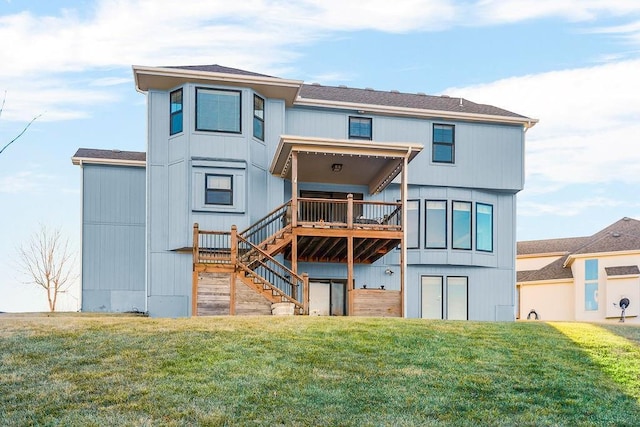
x=615, y=234
x=445, y=96
x=315, y=84
x=368, y=88
x=115, y=150
x=394, y=91
x=421, y=94
x=626, y=218
x=343, y=86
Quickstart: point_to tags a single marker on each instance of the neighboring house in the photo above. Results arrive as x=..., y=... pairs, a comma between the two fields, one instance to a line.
x=581, y=278
x=265, y=194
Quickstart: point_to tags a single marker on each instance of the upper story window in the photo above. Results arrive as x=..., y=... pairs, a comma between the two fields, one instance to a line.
x=436, y=224
x=218, y=189
x=258, y=117
x=443, y=143
x=484, y=227
x=218, y=110
x=175, y=111
x=591, y=285
x=413, y=224
x=461, y=226
x=360, y=128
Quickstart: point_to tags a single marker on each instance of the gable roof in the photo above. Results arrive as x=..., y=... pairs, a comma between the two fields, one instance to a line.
x=623, y=270
x=400, y=99
x=622, y=235
x=295, y=92
x=111, y=157
x=215, y=68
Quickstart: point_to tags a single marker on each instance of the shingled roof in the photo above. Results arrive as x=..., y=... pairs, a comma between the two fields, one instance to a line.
x=623, y=235
x=215, y=68
x=373, y=97
x=400, y=99
x=117, y=155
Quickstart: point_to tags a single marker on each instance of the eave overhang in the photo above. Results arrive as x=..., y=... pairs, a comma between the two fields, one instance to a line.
x=571, y=258
x=163, y=78
x=361, y=162
x=79, y=161
x=526, y=122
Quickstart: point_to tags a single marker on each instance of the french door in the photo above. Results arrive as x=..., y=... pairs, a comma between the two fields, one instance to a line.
x=444, y=297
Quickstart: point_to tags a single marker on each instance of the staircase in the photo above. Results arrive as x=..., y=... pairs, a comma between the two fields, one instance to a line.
x=251, y=253
x=326, y=230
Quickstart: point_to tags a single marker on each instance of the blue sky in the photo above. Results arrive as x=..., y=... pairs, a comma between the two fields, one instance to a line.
x=573, y=64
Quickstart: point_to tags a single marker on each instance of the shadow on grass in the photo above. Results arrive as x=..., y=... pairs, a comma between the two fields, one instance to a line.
x=300, y=371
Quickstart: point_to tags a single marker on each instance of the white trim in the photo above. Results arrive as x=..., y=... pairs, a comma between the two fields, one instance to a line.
x=574, y=257
x=546, y=282
x=79, y=161
x=417, y=112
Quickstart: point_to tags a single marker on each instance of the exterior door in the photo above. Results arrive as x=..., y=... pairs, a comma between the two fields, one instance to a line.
x=327, y=298
x=432, y=297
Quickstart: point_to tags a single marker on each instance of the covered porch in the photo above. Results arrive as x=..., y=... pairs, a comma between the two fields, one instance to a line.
x=316, y=229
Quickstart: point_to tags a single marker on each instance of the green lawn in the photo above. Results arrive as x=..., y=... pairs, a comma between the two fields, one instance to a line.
x=315, y=371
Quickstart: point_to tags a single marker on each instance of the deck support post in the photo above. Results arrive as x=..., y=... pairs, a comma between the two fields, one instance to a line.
x=194, y=275
x=305, y=293
x=294, y=189
x=350, y=275
x=403, y=247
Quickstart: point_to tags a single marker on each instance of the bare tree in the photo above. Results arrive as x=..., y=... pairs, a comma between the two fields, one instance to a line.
x=23, y=130
x=47, y=261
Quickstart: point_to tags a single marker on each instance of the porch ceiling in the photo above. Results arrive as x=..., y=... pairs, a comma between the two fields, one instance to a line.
x=362, y=162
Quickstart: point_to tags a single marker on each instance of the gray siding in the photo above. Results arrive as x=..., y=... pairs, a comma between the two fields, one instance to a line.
x=113, y=244
x=489, y=156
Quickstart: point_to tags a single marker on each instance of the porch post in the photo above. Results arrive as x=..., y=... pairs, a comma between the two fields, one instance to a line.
x=403, y=248
x=294, y=211
x=294, y=189
x=350, y=274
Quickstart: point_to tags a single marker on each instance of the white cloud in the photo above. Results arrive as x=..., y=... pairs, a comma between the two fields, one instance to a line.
x=573, y=208
x=111, y=35
x=23, y=182
x=589, y=122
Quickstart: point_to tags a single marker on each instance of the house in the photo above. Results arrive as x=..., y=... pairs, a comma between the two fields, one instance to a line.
x=582, y=278
x=259, y=194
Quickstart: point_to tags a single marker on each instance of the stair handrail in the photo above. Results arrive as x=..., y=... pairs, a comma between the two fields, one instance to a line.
x=294, y=281
x=279, y=213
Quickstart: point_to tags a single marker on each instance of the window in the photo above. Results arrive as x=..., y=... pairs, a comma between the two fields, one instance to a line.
x=457, y=301
x=443, y=143
x=591, y=285
x=175, y=111
x=218, y=110
x=258, y=117
x=218, y=190
x=413, y=224
x=359, y=128
x=436, y=224
x=484, y=227
x=461, y=225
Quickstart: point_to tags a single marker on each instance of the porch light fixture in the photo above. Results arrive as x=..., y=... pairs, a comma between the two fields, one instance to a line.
x=389, y=272
x=336, y=167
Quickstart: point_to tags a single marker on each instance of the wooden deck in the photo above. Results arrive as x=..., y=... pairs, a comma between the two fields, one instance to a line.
x=306, y=230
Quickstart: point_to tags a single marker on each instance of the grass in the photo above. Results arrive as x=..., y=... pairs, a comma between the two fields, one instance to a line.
x=315, y=371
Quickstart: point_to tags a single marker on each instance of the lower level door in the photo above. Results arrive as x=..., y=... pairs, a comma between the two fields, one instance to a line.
x=432, y=297
x=327, y=298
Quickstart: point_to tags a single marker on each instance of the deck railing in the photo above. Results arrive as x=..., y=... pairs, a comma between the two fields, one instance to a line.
x=267, y=269
x=212, y=247
x=269, y=225
x=349, y=213
x=221, y=247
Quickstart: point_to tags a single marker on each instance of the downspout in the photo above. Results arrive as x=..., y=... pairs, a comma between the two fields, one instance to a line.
x=80, y=299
